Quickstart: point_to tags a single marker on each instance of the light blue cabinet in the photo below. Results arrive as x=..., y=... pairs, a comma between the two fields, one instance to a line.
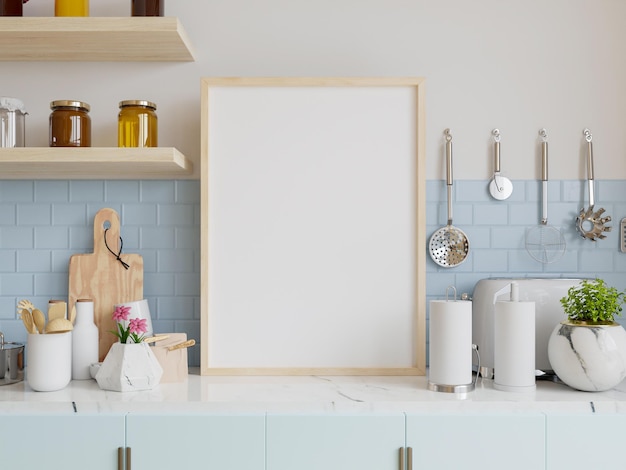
x=71, y=441
x=585, y=442
x=199, y=440
x=445, y=441
x=334, y=442
x=487, y=441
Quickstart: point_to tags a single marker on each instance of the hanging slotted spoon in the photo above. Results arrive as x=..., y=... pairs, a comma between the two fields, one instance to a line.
x=545, y=243
x=449, y=246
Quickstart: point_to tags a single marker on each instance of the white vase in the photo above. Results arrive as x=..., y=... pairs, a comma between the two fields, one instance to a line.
x=591, y=358
x=84, y=340
x=129, y=367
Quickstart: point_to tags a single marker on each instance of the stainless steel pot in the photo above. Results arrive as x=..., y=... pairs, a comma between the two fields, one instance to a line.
x=12, y=122
x=11, y=362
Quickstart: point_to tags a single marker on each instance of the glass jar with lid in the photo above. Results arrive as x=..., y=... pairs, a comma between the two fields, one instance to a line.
x=71, y=7
x=70, y=124
x=12, y=122
x=137, y=124
x=146, y=7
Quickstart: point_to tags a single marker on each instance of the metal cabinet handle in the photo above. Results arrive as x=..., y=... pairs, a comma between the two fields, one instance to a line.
x=401, y=458
x=120, y=458
x=409, y=458
x=128, y=458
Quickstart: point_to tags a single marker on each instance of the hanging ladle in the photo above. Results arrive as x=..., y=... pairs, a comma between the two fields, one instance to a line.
x=590, y=223
x=500, y=187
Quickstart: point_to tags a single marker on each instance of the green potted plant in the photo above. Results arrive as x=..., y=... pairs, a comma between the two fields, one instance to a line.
x=587, y=351
x=593, y=302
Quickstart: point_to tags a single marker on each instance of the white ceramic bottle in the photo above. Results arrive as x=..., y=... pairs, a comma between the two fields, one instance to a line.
x=84, y=340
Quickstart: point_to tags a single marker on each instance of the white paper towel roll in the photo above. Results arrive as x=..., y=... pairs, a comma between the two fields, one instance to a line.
x=450, y=342
x=514, y=346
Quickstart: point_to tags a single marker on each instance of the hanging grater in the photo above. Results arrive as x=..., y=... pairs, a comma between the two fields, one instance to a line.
x=622, y=236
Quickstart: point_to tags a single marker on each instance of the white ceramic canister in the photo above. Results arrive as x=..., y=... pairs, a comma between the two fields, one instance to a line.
x=49, y=361
x=84, y=340
x=12, y=123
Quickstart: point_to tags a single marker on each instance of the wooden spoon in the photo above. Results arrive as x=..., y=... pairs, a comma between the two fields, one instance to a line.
x=27, y=319
x=39, y=319
x=59, y=325
x=27, y=304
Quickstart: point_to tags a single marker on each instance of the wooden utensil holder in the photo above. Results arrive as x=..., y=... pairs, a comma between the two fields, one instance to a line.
x=174, y=363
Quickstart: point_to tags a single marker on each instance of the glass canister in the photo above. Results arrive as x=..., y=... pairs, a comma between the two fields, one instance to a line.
x=70, y=124
x=137, y=124
x=71, y=7
x=146, y=7
x=12, y=122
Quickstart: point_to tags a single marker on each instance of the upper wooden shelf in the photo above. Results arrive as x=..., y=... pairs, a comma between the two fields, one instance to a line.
x=93, y=163
x=94, y=39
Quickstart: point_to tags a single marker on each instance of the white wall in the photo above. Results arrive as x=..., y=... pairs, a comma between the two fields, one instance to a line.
x=517, y=66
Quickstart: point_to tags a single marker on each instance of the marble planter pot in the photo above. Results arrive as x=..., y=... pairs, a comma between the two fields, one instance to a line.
x=591, y=357
x=129, y=367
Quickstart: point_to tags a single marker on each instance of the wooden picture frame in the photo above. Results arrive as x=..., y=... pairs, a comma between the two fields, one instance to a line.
x=313, y=226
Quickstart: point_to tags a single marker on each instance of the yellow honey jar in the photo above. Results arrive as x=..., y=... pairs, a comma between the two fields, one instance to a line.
x=71, y=7
x=137, y=124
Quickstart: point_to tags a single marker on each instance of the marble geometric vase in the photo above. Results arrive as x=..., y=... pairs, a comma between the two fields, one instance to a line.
x=129, y=367
x=588, y=357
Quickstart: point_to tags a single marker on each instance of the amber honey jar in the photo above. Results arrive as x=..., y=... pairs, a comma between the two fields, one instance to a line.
x=146, y=8
x=137, y=124
x=70, y=124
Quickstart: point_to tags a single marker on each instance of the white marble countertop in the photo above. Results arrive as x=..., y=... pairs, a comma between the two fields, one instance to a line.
x=308, y=394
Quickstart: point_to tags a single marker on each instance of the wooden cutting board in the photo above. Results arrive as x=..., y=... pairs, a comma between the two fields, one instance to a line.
x=100, y=276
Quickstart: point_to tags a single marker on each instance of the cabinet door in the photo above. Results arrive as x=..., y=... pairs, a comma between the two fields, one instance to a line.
x=334, y=442
x=72, y=441
x=201, y=440
x=487, y=441
x=585, y=442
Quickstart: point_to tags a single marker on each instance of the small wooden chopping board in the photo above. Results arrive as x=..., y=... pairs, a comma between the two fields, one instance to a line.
x=100, y=276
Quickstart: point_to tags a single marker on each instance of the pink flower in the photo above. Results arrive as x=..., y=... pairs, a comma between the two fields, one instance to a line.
x=137, y=325
x=121, y=313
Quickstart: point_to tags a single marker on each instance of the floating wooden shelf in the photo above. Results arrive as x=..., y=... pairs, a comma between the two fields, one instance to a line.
x=140, y=39
x=93, y=163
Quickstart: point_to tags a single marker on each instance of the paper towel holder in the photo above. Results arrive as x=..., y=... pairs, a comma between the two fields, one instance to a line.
x=463, y=388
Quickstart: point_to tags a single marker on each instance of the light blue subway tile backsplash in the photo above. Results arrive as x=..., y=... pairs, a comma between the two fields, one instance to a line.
x=43, y=223
x=16, y=237
x=34, y=261
x=187, y=192
x=176, y=214
x=34, y=214
x=144, y=214
x=69, y=214
x=17, y=191
x=86, y=191
x=158, y=191
x=122, y=191
x=51, y=191
x=52, y=237
x=8, y=263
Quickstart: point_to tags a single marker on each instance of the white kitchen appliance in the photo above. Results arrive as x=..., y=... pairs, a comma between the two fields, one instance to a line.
x=545, y=292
